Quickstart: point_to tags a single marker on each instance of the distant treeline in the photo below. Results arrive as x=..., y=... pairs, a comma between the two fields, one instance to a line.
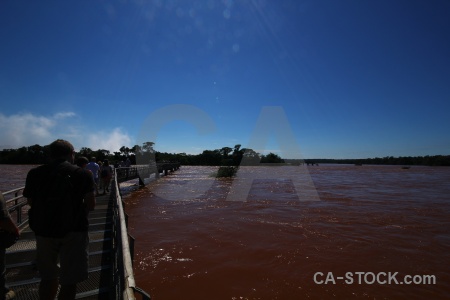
x=226, y=156
x=435, y=160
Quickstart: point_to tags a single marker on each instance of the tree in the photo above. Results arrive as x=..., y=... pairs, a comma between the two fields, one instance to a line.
x=145, y=154
x=250, y=157
x=135, y=149
x=237, y=155
x=148, y=147
x=101, y=154
x=117, y=156
x=271, y=158
x=225, y=151
x=125, y=150
x=85, y=151
x=210, y=158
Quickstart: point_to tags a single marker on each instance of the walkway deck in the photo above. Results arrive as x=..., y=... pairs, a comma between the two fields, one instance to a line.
x=22, y=275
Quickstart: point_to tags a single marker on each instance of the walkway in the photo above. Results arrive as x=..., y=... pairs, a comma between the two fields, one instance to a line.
x=23, y=277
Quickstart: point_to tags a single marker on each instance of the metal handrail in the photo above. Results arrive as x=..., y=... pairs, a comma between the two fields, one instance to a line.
x=17, y=206
x=125, y=266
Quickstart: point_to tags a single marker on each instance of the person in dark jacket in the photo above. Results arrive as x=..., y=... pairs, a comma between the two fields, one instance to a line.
x=71, y=249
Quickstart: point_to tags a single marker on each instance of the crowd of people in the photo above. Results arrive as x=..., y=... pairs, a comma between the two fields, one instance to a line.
x=101, y=172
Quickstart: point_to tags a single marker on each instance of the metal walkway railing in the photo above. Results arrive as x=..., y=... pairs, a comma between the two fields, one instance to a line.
x=123, y=259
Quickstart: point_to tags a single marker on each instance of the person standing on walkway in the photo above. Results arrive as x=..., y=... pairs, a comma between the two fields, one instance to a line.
x=60, y=195
x=95, y=169
x=106, y=174
x=7, y=225
x=100, y=181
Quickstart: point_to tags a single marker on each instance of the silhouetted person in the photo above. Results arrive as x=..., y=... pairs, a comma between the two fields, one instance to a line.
x=62, y=232
x=106, y=174
x=95, y=169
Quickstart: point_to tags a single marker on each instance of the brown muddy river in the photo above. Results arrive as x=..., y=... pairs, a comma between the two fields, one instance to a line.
x=372, y=228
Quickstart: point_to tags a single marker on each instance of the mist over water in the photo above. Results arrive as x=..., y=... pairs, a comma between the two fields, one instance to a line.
x=192, y=243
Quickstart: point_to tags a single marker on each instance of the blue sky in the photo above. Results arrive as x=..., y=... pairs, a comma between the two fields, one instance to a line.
x=354, y=79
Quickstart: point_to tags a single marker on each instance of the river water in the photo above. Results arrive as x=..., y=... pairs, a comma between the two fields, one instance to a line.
x=193, y=242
